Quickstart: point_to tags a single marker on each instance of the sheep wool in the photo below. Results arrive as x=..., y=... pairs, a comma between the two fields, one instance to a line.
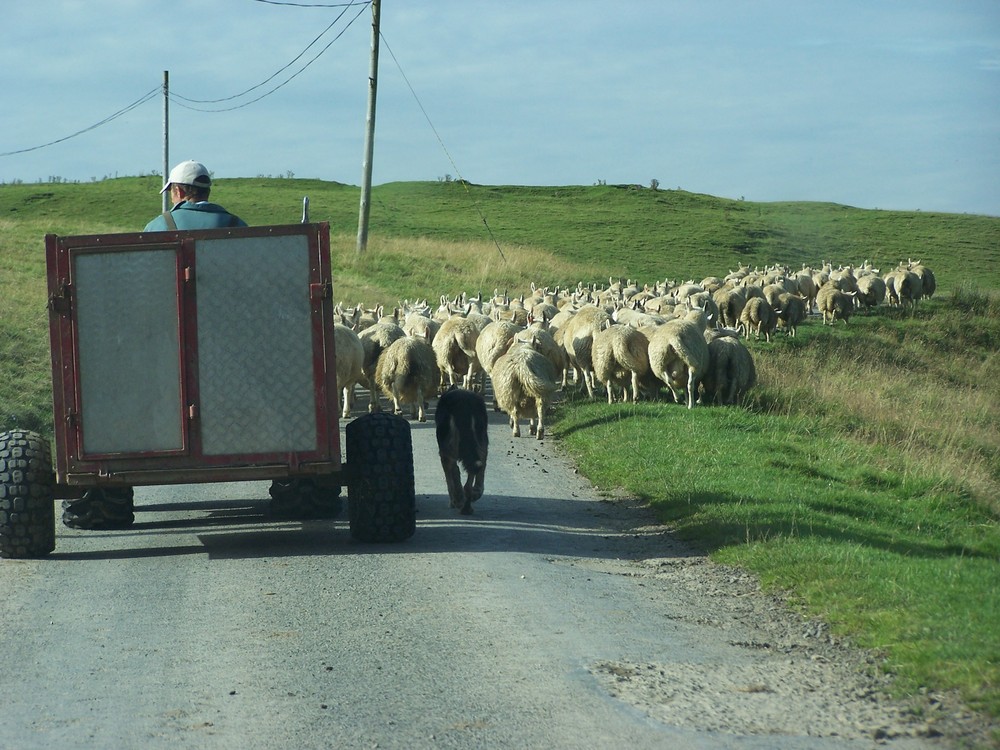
x=407, y=373
x=350, y=359
x=678, y=355
x=375, y=339
x=524, y=382
x=834, y=304
x=731, y=371
x=621, y=360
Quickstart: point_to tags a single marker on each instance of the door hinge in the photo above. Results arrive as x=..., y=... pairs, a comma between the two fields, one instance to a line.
x=321, y=291
x=61, y=300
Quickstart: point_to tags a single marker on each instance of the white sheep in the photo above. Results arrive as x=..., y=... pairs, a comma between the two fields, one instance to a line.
x=686, y=290
x=791, y=311
x=891, y=298
x=834, y=303
x=730, y=300
x=621, y=360
x=375, y=339
x=541, y=339
x=578, y=339
x=871, y=291
x=494, y=341
x=421, y=325
x=772, y=292
x=928, y=282
x=711, y=283
x=731, y=371
x=758, y=316
x=455, y=349
x=843, y=278
x=678, y=355
x=807, y=287
x=407, y=373
x=704, y=302
x=350, y=363
x=908, y=286
x=566, y=312
x=524, y=382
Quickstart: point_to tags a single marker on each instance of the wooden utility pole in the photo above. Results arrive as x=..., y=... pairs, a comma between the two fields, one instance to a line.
x=366, y=164
x=166, y=136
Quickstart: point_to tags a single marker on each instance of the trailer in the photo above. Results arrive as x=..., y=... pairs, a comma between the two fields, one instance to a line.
x=192, y=357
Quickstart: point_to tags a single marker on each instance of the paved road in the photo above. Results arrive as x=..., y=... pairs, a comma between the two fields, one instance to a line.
x=209, y=625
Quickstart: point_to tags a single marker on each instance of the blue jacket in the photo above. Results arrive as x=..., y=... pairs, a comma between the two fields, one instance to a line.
x=202, y=215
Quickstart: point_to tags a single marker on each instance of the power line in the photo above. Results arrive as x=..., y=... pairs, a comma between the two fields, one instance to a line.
x=444, y=148
x=141, y=100
x=307, y=5
x=179, y=100
x=280, y=85
x=274, y=75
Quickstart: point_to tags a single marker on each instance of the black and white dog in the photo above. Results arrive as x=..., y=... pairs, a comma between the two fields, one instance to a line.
x=462, y=437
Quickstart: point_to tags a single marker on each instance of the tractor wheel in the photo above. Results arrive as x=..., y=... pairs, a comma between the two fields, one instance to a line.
x=381, y=496
x=27, y=496
x=305, y=498
x=101, y=508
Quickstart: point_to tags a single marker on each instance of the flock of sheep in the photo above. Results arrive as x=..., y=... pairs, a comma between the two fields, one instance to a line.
x=631, y=340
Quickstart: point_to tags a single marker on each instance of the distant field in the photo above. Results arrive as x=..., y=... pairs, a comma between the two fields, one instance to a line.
x=626, y=231
x=861, y=475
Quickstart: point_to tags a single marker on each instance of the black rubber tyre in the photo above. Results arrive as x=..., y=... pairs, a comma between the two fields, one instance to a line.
x=305, y=498
x=27, y=496
x=101, y=508
x=380, y=490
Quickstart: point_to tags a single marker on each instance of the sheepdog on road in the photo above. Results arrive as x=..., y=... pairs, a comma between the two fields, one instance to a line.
x=461, y=423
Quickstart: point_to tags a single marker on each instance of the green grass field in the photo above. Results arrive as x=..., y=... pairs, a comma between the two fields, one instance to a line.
x=861, y=476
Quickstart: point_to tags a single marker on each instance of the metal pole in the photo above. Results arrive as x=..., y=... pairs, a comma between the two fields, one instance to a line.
x=166, y=136
x=366, y=165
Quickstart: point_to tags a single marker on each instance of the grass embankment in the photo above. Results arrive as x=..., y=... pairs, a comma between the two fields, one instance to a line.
x=862, y=476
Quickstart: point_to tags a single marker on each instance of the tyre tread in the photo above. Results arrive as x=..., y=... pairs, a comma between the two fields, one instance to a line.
x=381, y=495
x=27, y=492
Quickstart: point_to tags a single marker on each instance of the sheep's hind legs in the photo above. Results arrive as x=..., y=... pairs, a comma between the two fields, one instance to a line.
x=539, y=431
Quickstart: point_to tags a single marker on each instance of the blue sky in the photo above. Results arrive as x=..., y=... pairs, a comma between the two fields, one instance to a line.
x=871, y=103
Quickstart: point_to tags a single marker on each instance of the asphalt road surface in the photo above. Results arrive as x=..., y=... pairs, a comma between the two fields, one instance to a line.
x=551, y=618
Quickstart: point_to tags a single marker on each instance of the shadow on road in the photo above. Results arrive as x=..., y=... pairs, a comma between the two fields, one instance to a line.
x=244, y=529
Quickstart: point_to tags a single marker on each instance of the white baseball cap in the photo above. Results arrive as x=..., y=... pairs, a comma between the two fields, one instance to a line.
x=188, y=173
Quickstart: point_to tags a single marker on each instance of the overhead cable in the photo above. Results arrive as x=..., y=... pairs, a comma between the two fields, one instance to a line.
x=441, y=142
x=179, y=101
x=307, y=5
x=141, y=100
x=177, y=97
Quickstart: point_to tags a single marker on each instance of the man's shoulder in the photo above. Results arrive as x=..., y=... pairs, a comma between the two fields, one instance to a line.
x=196, y=216
x=158, y=224
x=206, y=215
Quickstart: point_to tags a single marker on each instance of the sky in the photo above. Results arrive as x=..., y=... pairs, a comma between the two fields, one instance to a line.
x=880, y=104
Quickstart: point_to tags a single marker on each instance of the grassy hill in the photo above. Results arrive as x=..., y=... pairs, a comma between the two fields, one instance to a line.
x=626, y=231
x=861, y=476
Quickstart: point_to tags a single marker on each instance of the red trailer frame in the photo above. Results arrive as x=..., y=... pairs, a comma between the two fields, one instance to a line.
x=192, y=356
x=198, y=356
